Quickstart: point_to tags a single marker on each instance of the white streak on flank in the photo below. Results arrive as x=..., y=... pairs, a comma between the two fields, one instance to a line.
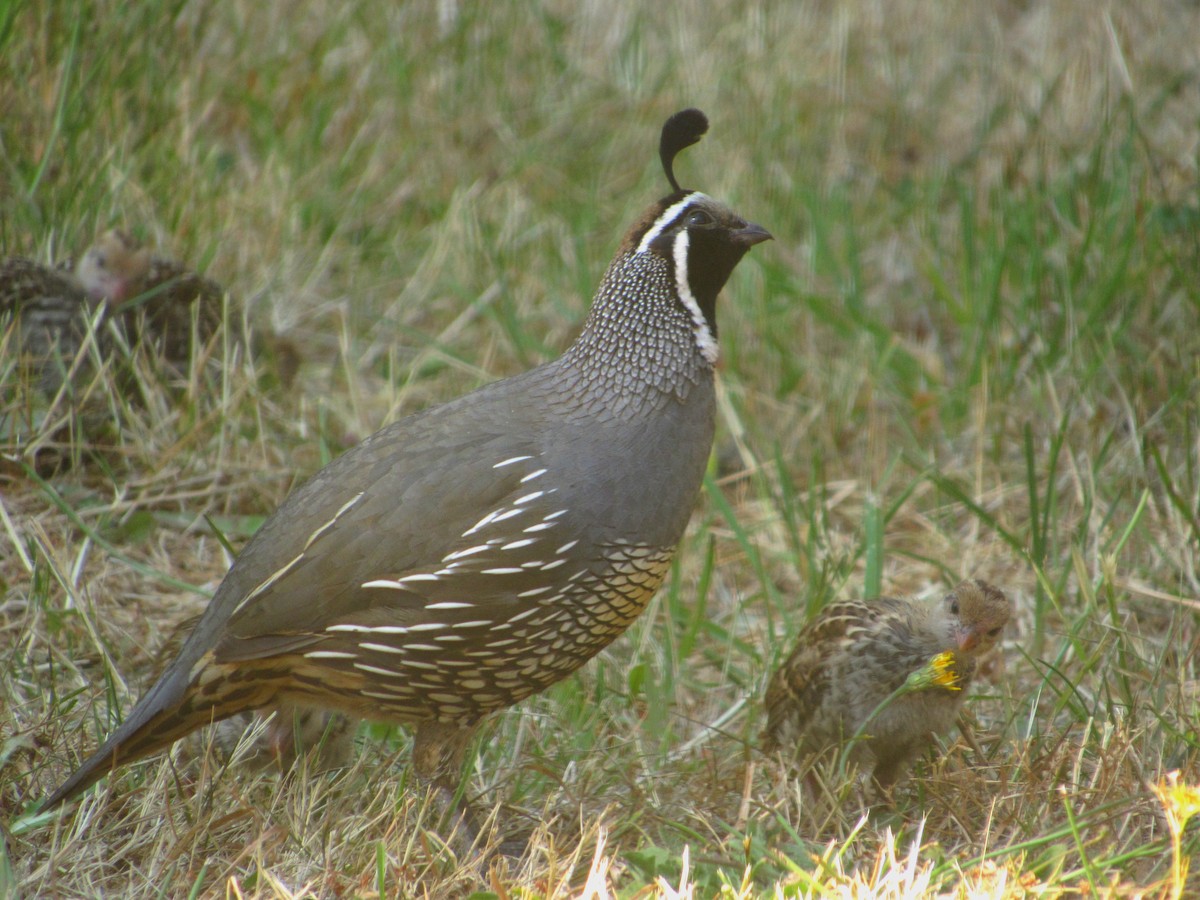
x=421, y=647
x=515, y=545
x=705, y=342
x=567, y=546
x=523, y=615
x=459, y=554
x=528, y=497
x=337, y=515
x=555, y=515
x=501, y=571
x=669, y=215
x=427, y=626
x=416, y=664
x=553, y=565
x=532, y=475
x=375, y=670
x=328, y=654
x=510, y=461
x=368, y=629
x=275, y=576
x=507, y=515
x=450, y=604
x=533, y=564
x=540, y=527
x=482, y=522
x=399, y=583
x=383, y=648
x=475, y=623
x=535, y=591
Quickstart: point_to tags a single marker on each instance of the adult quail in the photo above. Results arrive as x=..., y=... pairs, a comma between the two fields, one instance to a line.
x=475, y=553
x=855, y=674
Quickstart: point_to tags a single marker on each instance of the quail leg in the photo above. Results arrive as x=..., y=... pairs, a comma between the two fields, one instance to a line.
x=438, y=751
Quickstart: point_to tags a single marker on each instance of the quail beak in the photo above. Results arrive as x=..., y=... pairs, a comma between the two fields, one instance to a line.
x=750, y=235
x=968, y=640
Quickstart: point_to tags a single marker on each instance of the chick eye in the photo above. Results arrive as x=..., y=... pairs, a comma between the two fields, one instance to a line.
x=995, y=632
x=698, y=217
x=954, y=607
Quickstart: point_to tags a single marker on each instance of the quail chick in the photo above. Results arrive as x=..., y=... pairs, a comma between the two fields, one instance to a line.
x=848, y=677
x=150, y=296
x=47, y=308
x=325, y=737
x=154, y=297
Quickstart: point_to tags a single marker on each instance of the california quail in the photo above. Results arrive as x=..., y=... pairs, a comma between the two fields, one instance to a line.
x=475, y=553
x=839, y=681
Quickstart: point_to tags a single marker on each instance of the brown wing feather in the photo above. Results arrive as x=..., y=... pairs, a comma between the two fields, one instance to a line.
x=798, y=687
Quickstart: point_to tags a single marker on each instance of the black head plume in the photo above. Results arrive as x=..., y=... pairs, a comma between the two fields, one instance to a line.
x=681, y=130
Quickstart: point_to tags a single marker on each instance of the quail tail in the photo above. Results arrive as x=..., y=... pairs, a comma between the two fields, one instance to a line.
x=166, y=713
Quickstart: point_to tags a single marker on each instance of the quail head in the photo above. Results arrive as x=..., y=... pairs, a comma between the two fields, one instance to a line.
x=475, y=553
x=883, y=676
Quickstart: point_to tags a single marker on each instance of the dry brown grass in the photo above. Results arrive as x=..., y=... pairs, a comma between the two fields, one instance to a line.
x=978, y=328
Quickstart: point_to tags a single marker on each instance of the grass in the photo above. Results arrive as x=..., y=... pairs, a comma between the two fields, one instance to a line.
x=971, y=351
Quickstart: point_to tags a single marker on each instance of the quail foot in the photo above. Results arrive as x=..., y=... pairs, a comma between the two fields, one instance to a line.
x=879, y=679
x=475, y=553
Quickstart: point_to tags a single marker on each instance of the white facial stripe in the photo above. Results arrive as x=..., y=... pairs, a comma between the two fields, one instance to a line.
x=669, y=215
x=704, y=336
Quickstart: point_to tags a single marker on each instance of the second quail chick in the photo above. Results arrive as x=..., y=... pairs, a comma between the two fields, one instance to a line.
x=154, y=297
x=855, y=655
x=295, y=730
x=48, y=307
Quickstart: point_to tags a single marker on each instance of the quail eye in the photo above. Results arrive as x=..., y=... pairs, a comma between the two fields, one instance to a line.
x=995, y=632
x=698, y=218
x=954, y=607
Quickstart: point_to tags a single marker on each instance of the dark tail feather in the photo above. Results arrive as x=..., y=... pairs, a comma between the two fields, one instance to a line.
x=160, y=718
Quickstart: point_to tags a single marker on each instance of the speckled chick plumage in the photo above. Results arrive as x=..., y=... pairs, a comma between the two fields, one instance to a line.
x=47, y=308
x=154, y=299
x=855, y=654
x=470, y=555
x=159, y=301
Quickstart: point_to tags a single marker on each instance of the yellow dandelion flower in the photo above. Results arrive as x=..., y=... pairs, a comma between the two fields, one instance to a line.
x=938, y=672
x=1180, y=802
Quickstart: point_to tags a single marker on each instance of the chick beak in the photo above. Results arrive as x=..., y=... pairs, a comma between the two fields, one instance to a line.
x=968, y=640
